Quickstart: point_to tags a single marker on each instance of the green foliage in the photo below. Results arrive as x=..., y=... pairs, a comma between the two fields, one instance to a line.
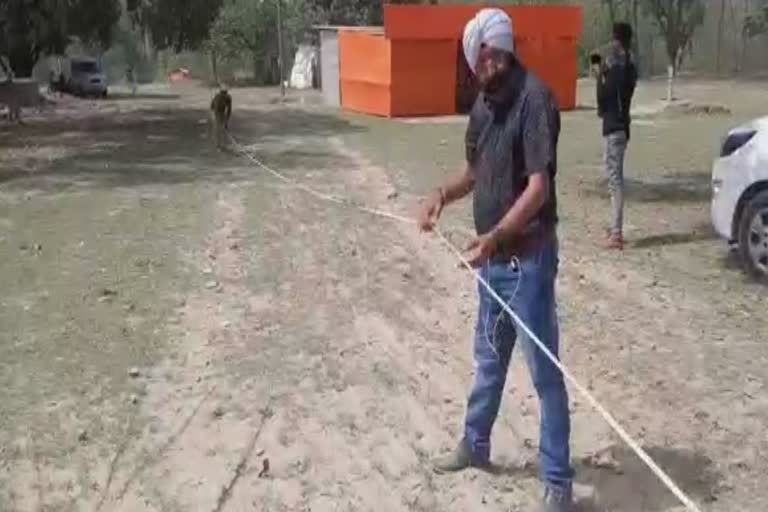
x=250, y=27
x=756, y=24
x=176, y=24
x=92, y=21
x=128, y=51
x=676, y=20
x=351, y=12
x=31, y=28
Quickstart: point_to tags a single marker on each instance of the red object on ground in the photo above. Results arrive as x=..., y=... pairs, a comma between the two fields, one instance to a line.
x=415, y=67
x=179, y=75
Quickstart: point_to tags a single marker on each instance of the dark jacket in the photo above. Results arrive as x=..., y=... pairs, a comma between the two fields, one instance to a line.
x=615, y=89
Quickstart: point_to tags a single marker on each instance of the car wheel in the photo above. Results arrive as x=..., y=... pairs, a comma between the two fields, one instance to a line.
x=753, y=236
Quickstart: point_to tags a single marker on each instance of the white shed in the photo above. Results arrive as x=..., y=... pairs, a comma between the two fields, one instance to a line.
x=329, y=65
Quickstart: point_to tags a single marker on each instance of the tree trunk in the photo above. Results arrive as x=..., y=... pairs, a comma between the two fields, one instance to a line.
x=671, y=82
x=258, y=70
x=280, y=57
x=678, y=63
x=674, y=55
x=744, y=37
x=147, y=44
x=214, y=67
x=743, y=55
x=720, y=24
x=691, y=55
x=651, y=55
x=6, y=69
x=22, y=59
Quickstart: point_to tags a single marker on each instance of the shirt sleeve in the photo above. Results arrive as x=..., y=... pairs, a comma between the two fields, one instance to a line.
x=541, y=127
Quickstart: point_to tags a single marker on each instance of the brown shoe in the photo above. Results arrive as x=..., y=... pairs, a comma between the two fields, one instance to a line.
x=459, y=459
x=614, y=243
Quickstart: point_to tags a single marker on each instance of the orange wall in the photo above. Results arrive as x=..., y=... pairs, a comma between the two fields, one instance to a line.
x=412, y=71
x=546, y=37
x=365, y=72
x=423, y=77
x=555, y=62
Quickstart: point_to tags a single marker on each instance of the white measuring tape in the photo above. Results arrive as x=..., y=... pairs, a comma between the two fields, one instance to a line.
x=607, y=416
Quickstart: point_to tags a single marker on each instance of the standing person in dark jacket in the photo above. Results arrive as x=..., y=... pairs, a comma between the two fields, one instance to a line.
x=616, y=82
x=221, y=109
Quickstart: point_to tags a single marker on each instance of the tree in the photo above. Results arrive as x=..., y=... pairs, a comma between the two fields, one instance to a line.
x=32, y=28
x=754, y=25
x=176, y=24
x=251, y=26
x=353, y=12
x=720, y=27
x=677, y=21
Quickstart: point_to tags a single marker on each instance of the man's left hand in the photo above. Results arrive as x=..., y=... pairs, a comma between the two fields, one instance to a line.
x=481, y=249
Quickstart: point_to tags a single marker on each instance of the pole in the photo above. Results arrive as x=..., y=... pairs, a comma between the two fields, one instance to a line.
x=280, y=58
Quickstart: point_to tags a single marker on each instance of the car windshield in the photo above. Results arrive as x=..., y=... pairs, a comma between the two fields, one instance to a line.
x=84, y=66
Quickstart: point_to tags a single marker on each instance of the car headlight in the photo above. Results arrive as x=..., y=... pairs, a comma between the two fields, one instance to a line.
x=736, y=140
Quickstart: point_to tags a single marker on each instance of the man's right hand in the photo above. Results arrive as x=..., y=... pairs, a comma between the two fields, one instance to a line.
x=431, y=210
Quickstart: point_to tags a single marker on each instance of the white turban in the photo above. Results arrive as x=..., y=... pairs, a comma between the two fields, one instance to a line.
x=490, y=27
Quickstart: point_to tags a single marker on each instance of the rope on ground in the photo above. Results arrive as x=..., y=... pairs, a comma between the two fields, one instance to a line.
x=602, y=411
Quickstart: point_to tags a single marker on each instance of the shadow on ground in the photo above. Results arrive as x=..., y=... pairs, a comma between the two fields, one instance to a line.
x=121, y=96
x=294, y=122
x=699, y=234
x=631, y=487
x=150, y=146
x=683, y=188
x=627, y=485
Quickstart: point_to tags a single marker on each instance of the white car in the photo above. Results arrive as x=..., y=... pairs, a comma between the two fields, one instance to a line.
x=740, y=194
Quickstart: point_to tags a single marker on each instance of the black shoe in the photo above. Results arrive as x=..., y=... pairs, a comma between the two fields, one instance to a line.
x=459, y=459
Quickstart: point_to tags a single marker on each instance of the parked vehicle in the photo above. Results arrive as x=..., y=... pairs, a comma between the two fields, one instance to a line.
x=740, y=194
x=86, y=78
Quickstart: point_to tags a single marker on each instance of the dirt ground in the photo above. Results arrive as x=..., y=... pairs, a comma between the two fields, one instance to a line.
x=182, y=332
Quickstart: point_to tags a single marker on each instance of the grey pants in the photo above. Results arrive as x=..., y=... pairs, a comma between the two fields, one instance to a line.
x=615, y=147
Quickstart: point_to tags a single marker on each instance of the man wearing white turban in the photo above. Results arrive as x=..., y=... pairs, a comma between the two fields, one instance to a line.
x=511, y=150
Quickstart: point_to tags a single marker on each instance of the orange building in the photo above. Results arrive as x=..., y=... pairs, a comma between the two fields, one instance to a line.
x=416, y=65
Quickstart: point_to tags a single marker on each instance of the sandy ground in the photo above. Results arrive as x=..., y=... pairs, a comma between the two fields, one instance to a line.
x=183, y=332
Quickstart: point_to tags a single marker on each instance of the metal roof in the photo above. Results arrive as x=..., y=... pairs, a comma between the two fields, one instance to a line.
x=350, y=28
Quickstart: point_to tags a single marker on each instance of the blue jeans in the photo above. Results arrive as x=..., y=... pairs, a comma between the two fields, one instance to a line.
x=528, y=286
